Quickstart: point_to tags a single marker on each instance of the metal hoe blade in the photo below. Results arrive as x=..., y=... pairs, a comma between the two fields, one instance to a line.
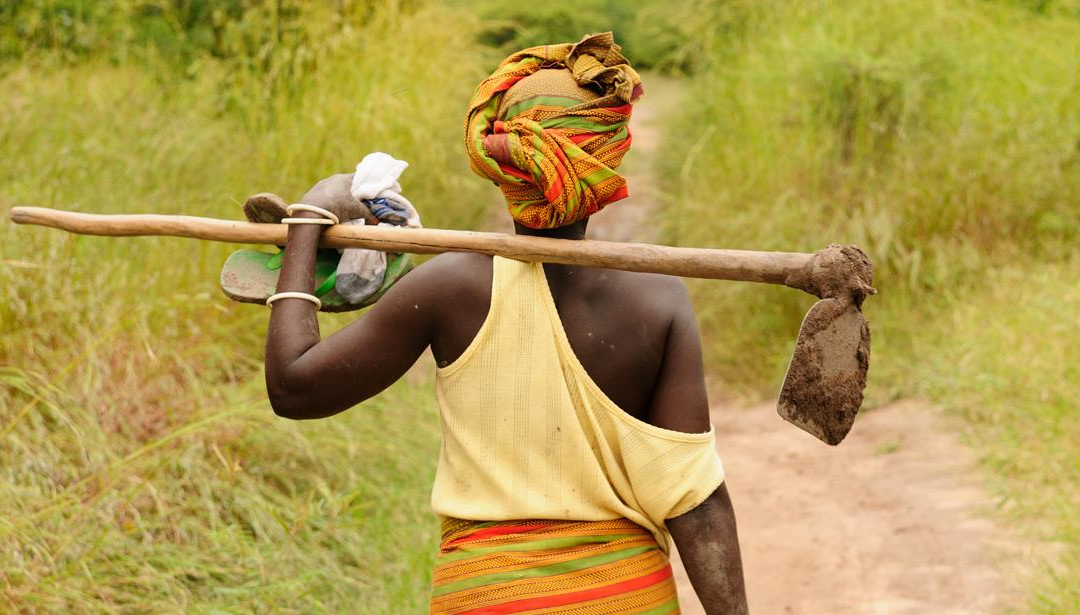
x=823, y=388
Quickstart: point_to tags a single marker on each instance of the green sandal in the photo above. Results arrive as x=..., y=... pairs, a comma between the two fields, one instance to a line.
x=251, y=276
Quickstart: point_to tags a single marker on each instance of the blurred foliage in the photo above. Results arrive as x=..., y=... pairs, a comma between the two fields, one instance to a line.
x=676, y=37
x=265, y=45
x=1069, y=8
x=942, y=137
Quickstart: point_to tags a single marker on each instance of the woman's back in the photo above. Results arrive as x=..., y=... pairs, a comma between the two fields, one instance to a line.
x=619, y=325
x=528, y=433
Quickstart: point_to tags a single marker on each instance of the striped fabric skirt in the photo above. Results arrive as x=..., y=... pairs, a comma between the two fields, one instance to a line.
x=580, y=567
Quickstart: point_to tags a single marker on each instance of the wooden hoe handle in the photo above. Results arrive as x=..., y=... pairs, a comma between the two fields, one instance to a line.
x=787, y=268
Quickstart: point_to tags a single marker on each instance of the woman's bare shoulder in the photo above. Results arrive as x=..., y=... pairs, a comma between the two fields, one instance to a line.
x=450, y=278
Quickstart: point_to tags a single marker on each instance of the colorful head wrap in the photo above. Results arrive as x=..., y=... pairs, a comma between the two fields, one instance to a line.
x=564, y=146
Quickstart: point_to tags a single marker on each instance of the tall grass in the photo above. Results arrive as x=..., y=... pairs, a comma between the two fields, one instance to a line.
x=140, y=468
x=940, y=135
x=1006, y=357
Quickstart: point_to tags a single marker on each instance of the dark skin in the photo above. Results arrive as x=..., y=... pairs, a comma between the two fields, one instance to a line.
x=635, y=334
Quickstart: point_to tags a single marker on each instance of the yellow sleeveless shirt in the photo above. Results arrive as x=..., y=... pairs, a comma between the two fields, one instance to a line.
x=527, y=434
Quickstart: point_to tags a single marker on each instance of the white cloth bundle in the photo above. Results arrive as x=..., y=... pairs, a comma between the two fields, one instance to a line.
x=360, y=272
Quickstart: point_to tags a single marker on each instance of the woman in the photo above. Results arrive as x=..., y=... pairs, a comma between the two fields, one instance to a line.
x=576, y=434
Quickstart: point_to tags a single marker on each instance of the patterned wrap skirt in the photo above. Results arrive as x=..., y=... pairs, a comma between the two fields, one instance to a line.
x=534, y=566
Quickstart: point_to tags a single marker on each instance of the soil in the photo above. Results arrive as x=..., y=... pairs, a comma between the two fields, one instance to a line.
x=823, y=387
x=893, y=520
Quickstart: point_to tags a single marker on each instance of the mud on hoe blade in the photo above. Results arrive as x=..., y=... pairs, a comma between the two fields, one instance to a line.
x=823, y=387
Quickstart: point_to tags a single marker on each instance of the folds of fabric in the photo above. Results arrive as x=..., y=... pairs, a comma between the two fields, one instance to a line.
x=360, y=273
x=537, y=566
x=564, y=157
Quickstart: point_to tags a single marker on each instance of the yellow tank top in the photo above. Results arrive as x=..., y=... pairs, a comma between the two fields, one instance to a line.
x=527, y=434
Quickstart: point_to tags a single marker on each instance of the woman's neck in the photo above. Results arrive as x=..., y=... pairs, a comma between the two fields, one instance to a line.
x=559, y=276
x=571, y=231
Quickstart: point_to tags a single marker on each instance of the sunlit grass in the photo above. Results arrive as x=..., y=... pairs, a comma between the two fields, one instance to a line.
x=940, y=135
x=229, y=508
x=140, y=468
x=1007, y=358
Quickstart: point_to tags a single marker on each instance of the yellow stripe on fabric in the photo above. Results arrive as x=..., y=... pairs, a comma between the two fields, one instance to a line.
x=513, y=560
x=595, y=577
x=541, y=571
x=659, y=599
x=616, y=570
x=531, y=545
x=588, y=578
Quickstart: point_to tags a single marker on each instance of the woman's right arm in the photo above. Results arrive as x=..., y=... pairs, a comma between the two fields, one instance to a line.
x=705, y=536
x=709, y=547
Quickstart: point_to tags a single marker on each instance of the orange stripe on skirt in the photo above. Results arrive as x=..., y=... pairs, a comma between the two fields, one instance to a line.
x=536, y=566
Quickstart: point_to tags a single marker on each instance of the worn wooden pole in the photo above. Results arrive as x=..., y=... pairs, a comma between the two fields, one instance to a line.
x=717, y=264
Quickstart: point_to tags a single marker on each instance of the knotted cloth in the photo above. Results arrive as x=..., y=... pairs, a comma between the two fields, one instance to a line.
x=563, y=151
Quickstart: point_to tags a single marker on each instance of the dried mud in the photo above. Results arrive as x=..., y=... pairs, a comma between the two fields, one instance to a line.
x=823, y=388
x=837, y=271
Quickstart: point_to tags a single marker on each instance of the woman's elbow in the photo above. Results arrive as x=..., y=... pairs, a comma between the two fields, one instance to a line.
x=286, y=409
x=302, y=400
x=289, y=405
x=286, y=401
x=299, y=407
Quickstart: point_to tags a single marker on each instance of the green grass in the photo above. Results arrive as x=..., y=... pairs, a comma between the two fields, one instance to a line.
x=141, y=468
x=942, y=136
x=658, y=36
x=230, y=509
x=1006, y=357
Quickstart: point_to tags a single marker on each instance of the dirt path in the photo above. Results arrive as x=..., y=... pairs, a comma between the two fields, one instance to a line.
x=893, y=521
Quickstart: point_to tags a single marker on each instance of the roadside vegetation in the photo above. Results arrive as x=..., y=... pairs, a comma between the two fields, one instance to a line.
x=944, y=137
x=141, y=468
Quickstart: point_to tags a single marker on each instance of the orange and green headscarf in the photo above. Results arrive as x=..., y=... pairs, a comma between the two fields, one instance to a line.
x=564, y=151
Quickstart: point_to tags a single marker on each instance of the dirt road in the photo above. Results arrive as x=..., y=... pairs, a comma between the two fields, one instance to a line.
x=893, y=521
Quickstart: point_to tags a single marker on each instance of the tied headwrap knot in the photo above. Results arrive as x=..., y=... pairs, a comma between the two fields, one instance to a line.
x=563, y=151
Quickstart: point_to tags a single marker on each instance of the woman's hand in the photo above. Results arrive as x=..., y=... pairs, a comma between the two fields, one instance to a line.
x=334, y=195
